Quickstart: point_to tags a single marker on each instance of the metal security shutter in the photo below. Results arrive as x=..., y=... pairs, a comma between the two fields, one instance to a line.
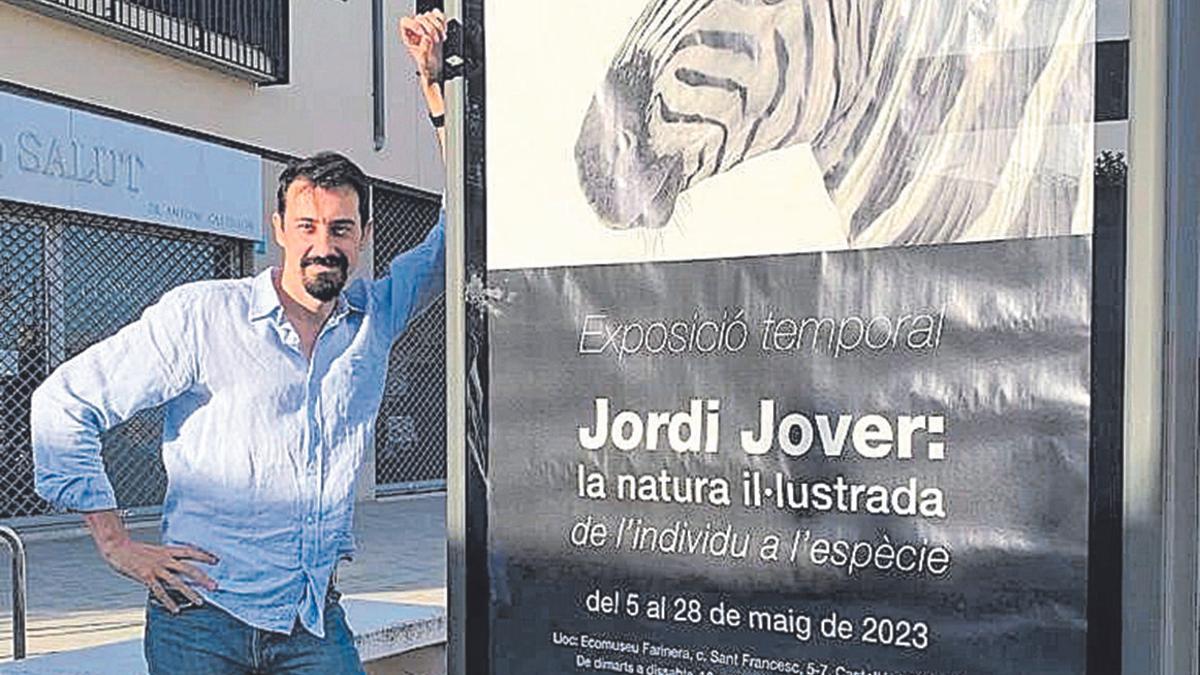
x=410, y=433
x=67, y=281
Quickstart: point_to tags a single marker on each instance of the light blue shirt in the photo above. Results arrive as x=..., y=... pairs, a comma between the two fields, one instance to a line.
x=261, y=446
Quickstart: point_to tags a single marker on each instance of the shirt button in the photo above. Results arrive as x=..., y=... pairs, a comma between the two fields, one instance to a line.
x=309, y=520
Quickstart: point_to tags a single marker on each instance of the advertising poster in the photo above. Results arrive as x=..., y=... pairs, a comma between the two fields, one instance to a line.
x=789, y=336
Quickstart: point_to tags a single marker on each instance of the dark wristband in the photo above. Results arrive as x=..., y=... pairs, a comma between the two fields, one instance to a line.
x=438, y=121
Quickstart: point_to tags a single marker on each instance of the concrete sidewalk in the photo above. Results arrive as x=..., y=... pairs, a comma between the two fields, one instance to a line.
x=75, y=600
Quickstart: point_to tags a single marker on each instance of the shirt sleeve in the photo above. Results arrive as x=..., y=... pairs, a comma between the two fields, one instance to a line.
x=415, y=278
x=145, y=364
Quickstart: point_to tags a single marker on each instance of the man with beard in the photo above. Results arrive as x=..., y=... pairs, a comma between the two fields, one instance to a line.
x=270, y=386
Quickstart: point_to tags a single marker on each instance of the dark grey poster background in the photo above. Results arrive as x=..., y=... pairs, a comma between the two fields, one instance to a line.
x=1010, y=375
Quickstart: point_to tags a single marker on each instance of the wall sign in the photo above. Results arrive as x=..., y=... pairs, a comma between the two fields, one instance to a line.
x=60, y=157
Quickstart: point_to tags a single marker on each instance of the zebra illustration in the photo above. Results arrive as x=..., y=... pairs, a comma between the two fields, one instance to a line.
x=931, y=120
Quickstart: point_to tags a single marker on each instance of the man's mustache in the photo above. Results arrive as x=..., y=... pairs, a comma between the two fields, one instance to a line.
x=335, y=260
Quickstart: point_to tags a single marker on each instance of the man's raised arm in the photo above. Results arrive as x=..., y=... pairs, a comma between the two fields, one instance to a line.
x=416, y=277
x=423, y=35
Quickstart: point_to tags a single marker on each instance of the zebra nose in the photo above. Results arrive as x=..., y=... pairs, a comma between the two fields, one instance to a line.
x=625, y=180
x=597, y=161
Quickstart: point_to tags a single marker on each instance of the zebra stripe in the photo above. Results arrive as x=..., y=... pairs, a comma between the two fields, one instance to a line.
x=933, y=120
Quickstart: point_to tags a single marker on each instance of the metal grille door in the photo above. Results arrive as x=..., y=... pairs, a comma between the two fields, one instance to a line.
x=410, y=433
x=68, y=280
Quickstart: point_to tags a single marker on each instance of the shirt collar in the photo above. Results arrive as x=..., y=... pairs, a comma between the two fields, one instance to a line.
x=264, y=300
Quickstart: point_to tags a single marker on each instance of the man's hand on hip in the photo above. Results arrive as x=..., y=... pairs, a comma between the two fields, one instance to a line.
x=157, y=567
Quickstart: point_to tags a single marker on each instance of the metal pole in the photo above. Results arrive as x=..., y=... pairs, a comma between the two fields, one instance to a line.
x=1181, y=341
x=13, y=540
x=456, y=360
x=1143, y=602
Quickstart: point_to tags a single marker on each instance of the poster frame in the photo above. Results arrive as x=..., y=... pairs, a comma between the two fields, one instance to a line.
x=1117, y=602
x=1168, y=404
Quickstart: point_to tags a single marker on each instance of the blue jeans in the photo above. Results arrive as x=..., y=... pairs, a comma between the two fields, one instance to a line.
x=206, y=640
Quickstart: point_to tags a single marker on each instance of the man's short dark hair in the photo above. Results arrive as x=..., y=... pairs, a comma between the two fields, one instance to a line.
x=327, y=170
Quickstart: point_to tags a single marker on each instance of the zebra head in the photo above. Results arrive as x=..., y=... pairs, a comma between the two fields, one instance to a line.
x=931, y=120
x=627, y=179
x=679, y=104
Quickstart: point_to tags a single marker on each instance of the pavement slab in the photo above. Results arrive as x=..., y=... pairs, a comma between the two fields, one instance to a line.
x=75, y=600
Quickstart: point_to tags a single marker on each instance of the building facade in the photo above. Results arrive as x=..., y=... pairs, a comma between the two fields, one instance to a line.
x=140, y=143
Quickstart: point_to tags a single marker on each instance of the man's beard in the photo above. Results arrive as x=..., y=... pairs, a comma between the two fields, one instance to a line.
x=326, y=285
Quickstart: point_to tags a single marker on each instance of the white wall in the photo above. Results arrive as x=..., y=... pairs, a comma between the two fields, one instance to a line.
x=327, y=105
